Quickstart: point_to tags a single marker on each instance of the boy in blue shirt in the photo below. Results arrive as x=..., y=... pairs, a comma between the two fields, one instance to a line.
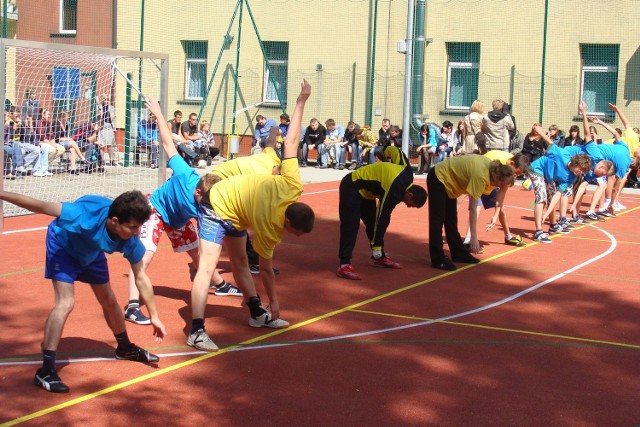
x=557, y=170
x=173, y=205
x=76, y=243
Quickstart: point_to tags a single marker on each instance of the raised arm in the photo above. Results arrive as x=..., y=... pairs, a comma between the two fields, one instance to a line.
x=608, y=127
x=163, y=129
x=292, y=139
x=34, y=205
x=623, y=118
x=582, y=106
x=544, y=136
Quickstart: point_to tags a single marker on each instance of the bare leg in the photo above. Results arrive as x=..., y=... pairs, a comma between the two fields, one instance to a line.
x=209, y=255
x=63, y=305
x=110, y=308
x=237, y=247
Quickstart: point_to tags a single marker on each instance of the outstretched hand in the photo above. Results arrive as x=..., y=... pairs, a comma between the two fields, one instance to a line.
x=153, y=106
x=582, y=106
x=596, y=120
x=305, y=90
x=159, y=331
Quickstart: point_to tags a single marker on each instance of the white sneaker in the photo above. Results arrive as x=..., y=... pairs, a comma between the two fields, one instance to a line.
x=38, y=173
x=617, y=206
x=201, y=341
x=266, y=321
x=47, y=173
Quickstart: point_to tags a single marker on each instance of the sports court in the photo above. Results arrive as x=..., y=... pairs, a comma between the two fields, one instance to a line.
x=546, y=334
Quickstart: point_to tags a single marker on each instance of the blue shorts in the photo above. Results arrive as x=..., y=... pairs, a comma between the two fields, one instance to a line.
x=212, y=228
x=62, y=267
x=490, y=200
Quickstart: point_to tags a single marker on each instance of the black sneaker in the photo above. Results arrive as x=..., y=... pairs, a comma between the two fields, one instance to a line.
x=50, y=381
x=226, y=290
x=593, y=217
x=255, y=269
x=446, y=265
x=136, y=354
x=606, y=213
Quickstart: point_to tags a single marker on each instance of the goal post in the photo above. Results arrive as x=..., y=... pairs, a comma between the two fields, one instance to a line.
x=71, y=119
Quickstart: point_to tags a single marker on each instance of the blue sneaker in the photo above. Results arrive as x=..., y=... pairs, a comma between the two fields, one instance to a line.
x=133, y=314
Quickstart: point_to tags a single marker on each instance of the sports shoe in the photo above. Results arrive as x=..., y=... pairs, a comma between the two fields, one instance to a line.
x=133, y=314
x=465, y=258
x=515, y=240
x=266, y=321
x=617, y=206
x=50, y=381
x=38, y=173
x=606, y=213
x=577, y=220
x=200, y=340
x=255, y=269
x=566, y=225
x=348, y=272
x=593, y=217
x=226, y=290
x=557, y=228
x=467, y=246
x=541, y=236
x=135, y=354
x=446, y=265
x=386, y=262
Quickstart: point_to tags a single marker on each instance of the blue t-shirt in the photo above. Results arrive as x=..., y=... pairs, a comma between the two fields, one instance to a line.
x=553, y=166
x=81, y=229
x=592, y=150
x=174, y=199
x=618, y=154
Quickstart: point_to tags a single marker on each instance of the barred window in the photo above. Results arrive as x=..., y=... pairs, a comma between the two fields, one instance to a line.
x=599, y=77
x=195, y=75
x=275, y=74
x=462, y=74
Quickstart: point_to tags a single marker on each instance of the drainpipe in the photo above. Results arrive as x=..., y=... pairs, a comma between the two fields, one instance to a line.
x=406, y=110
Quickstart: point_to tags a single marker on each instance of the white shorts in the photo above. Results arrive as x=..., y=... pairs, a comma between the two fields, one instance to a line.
x=182, y=239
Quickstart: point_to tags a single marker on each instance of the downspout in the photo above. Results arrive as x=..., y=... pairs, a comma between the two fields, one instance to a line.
x=408, y=62
x=419, y=43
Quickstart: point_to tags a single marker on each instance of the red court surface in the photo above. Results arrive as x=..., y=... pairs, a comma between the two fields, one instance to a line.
x=548, y=334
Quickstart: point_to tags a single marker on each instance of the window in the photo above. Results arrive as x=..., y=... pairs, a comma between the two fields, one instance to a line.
x=275, y=74
x=599, y=77
x=68, y=16
x=195, y=83
x=462, y=74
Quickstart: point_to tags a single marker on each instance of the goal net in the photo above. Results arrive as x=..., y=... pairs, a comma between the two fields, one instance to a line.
x=71, y=118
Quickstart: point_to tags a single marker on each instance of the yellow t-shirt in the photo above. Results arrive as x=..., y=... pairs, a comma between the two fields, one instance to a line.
x=259, y=202
x=262, y=163
x=630, y=137
x=502, y=156
x=468, y=174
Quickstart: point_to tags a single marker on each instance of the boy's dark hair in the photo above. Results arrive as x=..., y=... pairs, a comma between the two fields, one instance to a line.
x=582, y=161
x=206, y=182
x=177, y=113
x=131, y=205
x=285, y=116
x=501, y=173
x=521, y=161
x=419, y=195
x=300, y=216
x=259, y=117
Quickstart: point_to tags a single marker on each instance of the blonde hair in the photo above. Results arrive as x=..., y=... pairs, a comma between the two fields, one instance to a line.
x=497, y=104
x=477, y=107
x=203, y=123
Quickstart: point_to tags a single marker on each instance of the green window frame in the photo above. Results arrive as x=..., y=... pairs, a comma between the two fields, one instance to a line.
x=276, y=71
x=599, y=82
x=195, y=74
x=463, y=74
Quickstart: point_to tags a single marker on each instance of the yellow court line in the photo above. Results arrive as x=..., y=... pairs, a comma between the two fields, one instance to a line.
x=496, y=328
x=253, y=340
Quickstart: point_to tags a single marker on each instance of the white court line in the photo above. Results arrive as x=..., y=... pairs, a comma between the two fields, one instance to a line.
x=24, y=230
x=513, y=297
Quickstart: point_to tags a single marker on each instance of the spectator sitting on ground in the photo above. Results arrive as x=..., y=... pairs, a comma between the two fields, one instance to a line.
x=332, y=145
x=314, y=137
x=206, y=141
